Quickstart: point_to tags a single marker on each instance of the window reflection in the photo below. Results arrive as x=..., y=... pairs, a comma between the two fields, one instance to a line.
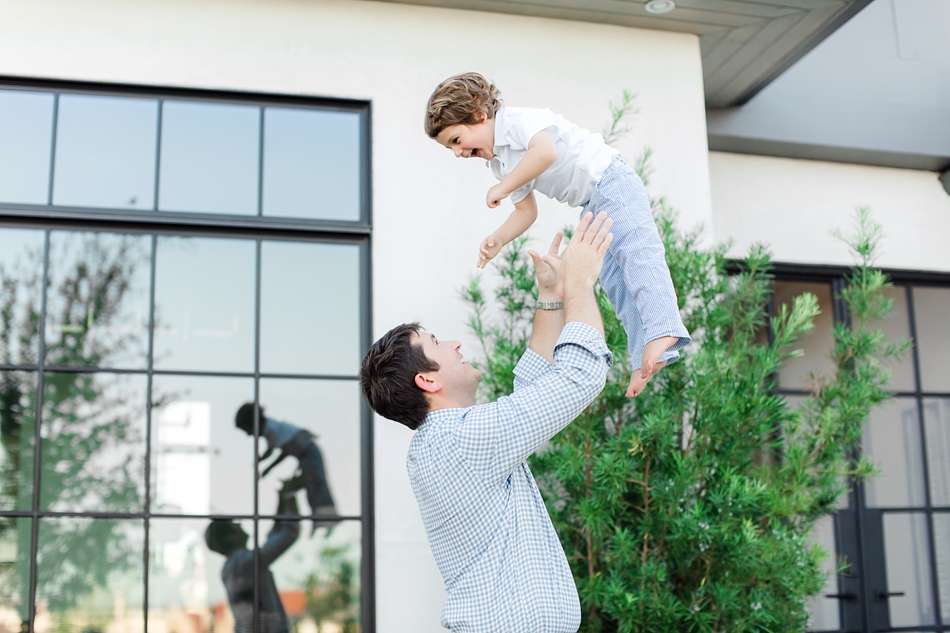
x=907, y=558
x=105, y=152
x=26, y=127
x=15, y=539
x=942, y=555
x=17, y=432
x=817, y=345
x=21, y=288
x=823, y=612
x=93, y=455
x=89, y=575
x=897, y=329
x=97, y=312
x=311, y=164
x=204, y=304
x=891, y=438
x=937, y=428
x=931, y=307
x=201, y=463
x=310, y=317
x=318, y=579
x=329, y=411
x=209, y=158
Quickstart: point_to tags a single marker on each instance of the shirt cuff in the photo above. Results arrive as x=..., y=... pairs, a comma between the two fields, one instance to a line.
x=531, y=366
x=577, y=333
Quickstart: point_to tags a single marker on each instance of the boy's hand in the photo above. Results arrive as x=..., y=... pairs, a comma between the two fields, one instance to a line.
x=495, y=195
x=650, y=364
x=490, y=247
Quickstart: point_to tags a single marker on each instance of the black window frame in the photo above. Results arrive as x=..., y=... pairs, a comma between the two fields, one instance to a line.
x=156, y=223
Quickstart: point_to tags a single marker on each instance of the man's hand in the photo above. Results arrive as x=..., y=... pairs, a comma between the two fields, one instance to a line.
x=490, y=247
x=580, y=264
x=550, y=287
x=495, y=195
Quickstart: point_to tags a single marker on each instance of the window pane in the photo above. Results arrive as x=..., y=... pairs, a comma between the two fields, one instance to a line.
x=892, y=440
x=97, y=310
x=816, y=345
x=312, y=164
x=93, y=456
x=204, y=304
x=21, y=288
x=18, y=424
x=907, y=557
x=310, y=316
x=90, y=571
x=16, y=535
x=317, y=579
x=942, y=555
x=897, y=328
x=105, y=152
x=822, y=611
x=937, y=427
x=26, y=128
x=932, y=311
x=329, y=410
x=209, y=158
x=201, y=462
x=185, y=590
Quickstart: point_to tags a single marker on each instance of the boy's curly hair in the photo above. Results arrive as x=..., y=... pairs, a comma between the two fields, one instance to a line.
x=458, y=101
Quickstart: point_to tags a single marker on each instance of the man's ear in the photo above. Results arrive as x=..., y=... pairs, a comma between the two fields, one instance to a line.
x=427, y=384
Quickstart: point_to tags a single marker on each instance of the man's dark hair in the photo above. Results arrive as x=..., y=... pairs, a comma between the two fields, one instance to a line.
x=224, y=536
x=244, y=418
x=388, y=376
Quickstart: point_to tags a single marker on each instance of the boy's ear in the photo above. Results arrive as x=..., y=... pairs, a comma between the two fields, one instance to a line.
x=427, y=383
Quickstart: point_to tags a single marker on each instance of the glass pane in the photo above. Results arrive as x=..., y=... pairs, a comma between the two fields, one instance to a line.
x=26, y=128
x=186, y=593
x=937, y=427
x=817, y=345
x=932, y=311
x=97, y=305
x=21, y=295
x=823, y=611
x=105, y=152
x=892, y=440
x=204, y=304
x=93, y=455
x=312, y=164
x=16, y=535
x=201, y=463
x=89, y=575
x=897, y=328
x=17, y=433
x=317, y=579
x=209, y=158
x=310, y=311
x=907, y=557
x=942, y=545
x=330, y=465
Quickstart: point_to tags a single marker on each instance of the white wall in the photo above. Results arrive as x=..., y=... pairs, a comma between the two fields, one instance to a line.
x=794, y=205
x=429, y=214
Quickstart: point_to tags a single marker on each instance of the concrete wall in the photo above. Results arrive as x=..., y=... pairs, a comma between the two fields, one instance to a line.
x=429, y=214
x=793, y=205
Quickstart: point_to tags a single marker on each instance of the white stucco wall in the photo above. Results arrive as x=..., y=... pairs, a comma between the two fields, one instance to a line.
x=794, y=205
x=429, y=213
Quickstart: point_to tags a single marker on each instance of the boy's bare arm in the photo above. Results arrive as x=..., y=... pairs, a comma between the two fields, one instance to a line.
x=542, y=152
x=519, y=221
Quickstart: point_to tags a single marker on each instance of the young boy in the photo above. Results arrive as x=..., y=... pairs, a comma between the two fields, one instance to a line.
x=536, y=150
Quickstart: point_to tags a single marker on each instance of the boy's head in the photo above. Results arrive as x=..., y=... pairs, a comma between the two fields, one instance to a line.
x=244, y=418
x=465, y=99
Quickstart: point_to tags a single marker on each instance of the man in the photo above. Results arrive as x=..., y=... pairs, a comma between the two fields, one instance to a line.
x=503, y=566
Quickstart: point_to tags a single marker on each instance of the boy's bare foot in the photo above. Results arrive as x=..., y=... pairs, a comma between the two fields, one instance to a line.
x=650, y=364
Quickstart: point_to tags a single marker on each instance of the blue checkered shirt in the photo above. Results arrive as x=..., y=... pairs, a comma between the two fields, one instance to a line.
x=492, y=538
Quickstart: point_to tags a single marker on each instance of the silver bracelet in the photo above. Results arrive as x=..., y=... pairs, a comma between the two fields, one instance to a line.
x=550, y=305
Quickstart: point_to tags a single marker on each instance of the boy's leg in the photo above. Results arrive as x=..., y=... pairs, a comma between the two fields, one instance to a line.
x=315, y=481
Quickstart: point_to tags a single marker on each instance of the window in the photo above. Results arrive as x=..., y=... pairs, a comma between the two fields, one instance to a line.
x=183, y=306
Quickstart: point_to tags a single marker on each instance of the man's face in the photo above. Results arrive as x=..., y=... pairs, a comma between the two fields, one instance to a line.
x=457, y=377
x=470, y=141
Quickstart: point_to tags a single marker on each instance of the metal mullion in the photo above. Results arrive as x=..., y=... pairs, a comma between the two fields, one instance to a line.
x=158, y=152
x=52, y=149
x=260, y=165
x=148, y=406
x=184, y=372
x=257, y=431
x=368, y=523
x=125, y=515
x=37, y=428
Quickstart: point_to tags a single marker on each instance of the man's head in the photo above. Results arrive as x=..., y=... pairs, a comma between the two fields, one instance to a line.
x=244, y=418
x=460, y=115
x=408, y=373
x=224, y=536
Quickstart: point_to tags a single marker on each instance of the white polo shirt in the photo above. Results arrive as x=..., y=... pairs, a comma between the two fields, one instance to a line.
x=581, y=160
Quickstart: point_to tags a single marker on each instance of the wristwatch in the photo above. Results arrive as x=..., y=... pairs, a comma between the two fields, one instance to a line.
x=550, y=305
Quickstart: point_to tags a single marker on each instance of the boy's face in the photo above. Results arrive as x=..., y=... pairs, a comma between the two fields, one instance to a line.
x=470, y=141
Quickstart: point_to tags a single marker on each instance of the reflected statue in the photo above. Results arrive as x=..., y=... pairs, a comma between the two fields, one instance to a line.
x=299, y=443
x=230, y=540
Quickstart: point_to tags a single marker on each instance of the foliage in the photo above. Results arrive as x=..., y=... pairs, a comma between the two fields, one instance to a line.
x=333, y=592
x=690, y=508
